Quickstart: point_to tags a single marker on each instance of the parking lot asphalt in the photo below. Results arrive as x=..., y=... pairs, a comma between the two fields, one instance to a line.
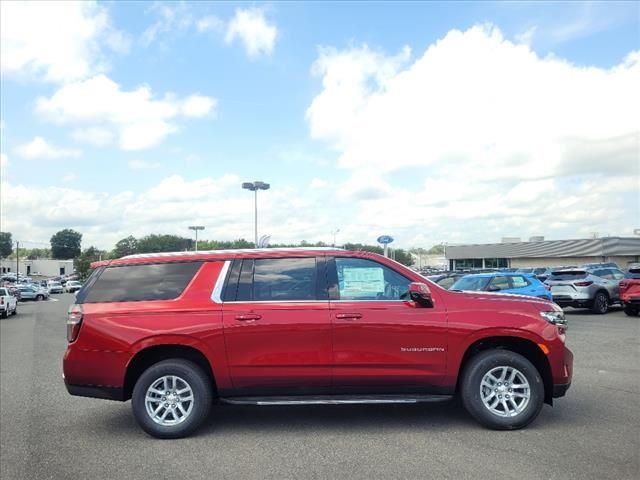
x=592, y=433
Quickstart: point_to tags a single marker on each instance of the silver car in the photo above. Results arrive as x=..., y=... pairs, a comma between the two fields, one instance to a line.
x=584, y=288
x=32, y=292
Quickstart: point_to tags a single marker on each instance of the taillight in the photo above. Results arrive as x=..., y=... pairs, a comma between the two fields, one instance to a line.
x=74, y=321
x=583, y=284
x=1, y=300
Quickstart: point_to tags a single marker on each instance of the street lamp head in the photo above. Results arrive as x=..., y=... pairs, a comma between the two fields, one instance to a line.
x=196, y=227
x=261, y=185
x=249, y=186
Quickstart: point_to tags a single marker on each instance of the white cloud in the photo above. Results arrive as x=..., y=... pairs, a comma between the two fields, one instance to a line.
x=39, y=148
x=210, y=23
x=198, y=106
x=141, y=120
x=4, y=161
x=60, y=41
x=476, y=101
x=318, y=183
x=504, y=139
x=253, y=29
x=171, y=18
x=144, y=165
x=69, y=177
x=97, y=136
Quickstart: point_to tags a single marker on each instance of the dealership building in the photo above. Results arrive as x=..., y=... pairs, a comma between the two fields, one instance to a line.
x=42, y=267
x=544, y=253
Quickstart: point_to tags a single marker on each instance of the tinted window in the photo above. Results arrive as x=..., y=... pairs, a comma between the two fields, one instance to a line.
x=499, y=283
x=446, y=282
x=3, y=292
x=569, y=275
x=617, y=274
x=132, y=283
x=360, y=279
x=470, y=283
x=633, y=273
x=284, y=279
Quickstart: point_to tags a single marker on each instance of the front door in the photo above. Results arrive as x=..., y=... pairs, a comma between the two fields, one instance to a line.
x=276, y=325
x=381, y=339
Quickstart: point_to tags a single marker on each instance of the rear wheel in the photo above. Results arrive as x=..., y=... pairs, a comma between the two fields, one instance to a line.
x=631, y=310
x=4, y=314
x=502, y=390
x=39, y=297
x=171, y=399
x=15, y=309
x=600, y=303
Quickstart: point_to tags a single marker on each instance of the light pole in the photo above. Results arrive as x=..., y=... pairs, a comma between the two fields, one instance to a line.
x=254, y=187
x=196, y=228
x=335, y=232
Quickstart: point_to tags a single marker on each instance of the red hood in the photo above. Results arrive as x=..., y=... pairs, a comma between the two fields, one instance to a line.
x=538, y=303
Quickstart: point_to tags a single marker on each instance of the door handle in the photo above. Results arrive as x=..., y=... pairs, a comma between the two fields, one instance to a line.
x=348, y=316
x=249, y=316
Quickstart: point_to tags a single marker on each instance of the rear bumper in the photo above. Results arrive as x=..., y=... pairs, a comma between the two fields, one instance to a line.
x=95, y=391
x=567, y=301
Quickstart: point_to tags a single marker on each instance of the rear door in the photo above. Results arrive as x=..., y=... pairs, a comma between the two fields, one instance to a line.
x=276, y=325
x=380, y=338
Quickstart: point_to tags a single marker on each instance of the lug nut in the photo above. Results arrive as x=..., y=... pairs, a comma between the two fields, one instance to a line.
x=164, y=398
x=166, y=405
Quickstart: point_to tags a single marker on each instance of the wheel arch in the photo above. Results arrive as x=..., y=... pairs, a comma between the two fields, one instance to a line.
x=153, y=354
x=523, y=346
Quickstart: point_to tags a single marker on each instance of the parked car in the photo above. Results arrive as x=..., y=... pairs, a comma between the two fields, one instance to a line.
x=55, y=287
x=305, y=326
x=72, y=286
x=591, y=266
x=8, y=303
x=630, y=292
x=445, y=280
x=581, y=288
x=30, y=292
x=504, y=282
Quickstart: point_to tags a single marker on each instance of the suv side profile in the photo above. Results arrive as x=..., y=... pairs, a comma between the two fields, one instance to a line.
x=173, y=332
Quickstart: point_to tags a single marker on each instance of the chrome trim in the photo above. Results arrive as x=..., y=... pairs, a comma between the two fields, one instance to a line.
x=216, y=294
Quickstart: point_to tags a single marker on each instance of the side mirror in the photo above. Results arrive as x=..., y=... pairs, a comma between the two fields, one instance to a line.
x=420, y=293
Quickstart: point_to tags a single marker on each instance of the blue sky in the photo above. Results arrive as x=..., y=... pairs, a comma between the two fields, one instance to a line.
x=453, y=121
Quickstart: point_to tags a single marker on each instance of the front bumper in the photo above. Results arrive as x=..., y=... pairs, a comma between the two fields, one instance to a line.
x=560, y=390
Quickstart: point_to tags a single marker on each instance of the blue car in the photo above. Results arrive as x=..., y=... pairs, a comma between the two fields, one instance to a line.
x=504, y=282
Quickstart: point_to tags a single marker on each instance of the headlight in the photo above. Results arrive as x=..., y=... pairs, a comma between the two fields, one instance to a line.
x=556, y=318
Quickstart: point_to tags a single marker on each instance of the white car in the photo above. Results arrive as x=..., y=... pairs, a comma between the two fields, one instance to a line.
x=55, y=287
x=72, y=286
x=8, y=303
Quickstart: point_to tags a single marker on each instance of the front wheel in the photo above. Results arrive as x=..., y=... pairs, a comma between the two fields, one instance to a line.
x=39, y=297
x=631, y=310
x=502, y=390
x=171, y=399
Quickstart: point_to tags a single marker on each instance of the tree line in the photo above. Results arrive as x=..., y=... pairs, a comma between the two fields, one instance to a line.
x=66, y=244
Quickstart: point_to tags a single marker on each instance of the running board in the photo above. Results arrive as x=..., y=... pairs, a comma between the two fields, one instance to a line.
x=334, y=399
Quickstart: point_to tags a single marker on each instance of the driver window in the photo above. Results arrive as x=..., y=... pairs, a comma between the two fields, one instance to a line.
x=360, y=279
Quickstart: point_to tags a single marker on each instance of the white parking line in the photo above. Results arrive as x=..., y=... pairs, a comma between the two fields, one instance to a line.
x=54, y=300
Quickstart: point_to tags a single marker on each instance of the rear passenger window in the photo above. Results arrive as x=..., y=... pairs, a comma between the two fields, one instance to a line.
x=499, y=283
x=132, y=283
x=519, y=282
x=283, y=279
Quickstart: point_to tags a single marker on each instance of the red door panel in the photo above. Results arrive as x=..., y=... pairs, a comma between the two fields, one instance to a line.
x=276, y=345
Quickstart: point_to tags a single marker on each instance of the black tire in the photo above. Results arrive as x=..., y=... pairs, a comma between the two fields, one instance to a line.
x=4, y=314
x=470, y=389
x=197, y=380
x=631, y=310
x=39, y=297
x=15, y=309
x=600, y=303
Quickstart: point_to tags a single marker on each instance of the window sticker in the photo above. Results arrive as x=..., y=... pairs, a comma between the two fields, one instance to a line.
x=358, y=282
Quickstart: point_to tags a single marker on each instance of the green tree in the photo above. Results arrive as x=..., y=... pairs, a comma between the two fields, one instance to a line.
x=36, y=253
x=66, y=244
x=224, y=244
x=163, y=243
x=126, y=246
x=83, y=262
x=436, y=249
x=6, y=244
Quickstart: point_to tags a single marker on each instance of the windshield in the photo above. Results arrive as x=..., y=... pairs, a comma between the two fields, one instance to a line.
x=470, y=283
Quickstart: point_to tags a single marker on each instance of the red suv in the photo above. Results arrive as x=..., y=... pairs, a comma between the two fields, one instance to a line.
x=172, y=332
x=630, y=292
